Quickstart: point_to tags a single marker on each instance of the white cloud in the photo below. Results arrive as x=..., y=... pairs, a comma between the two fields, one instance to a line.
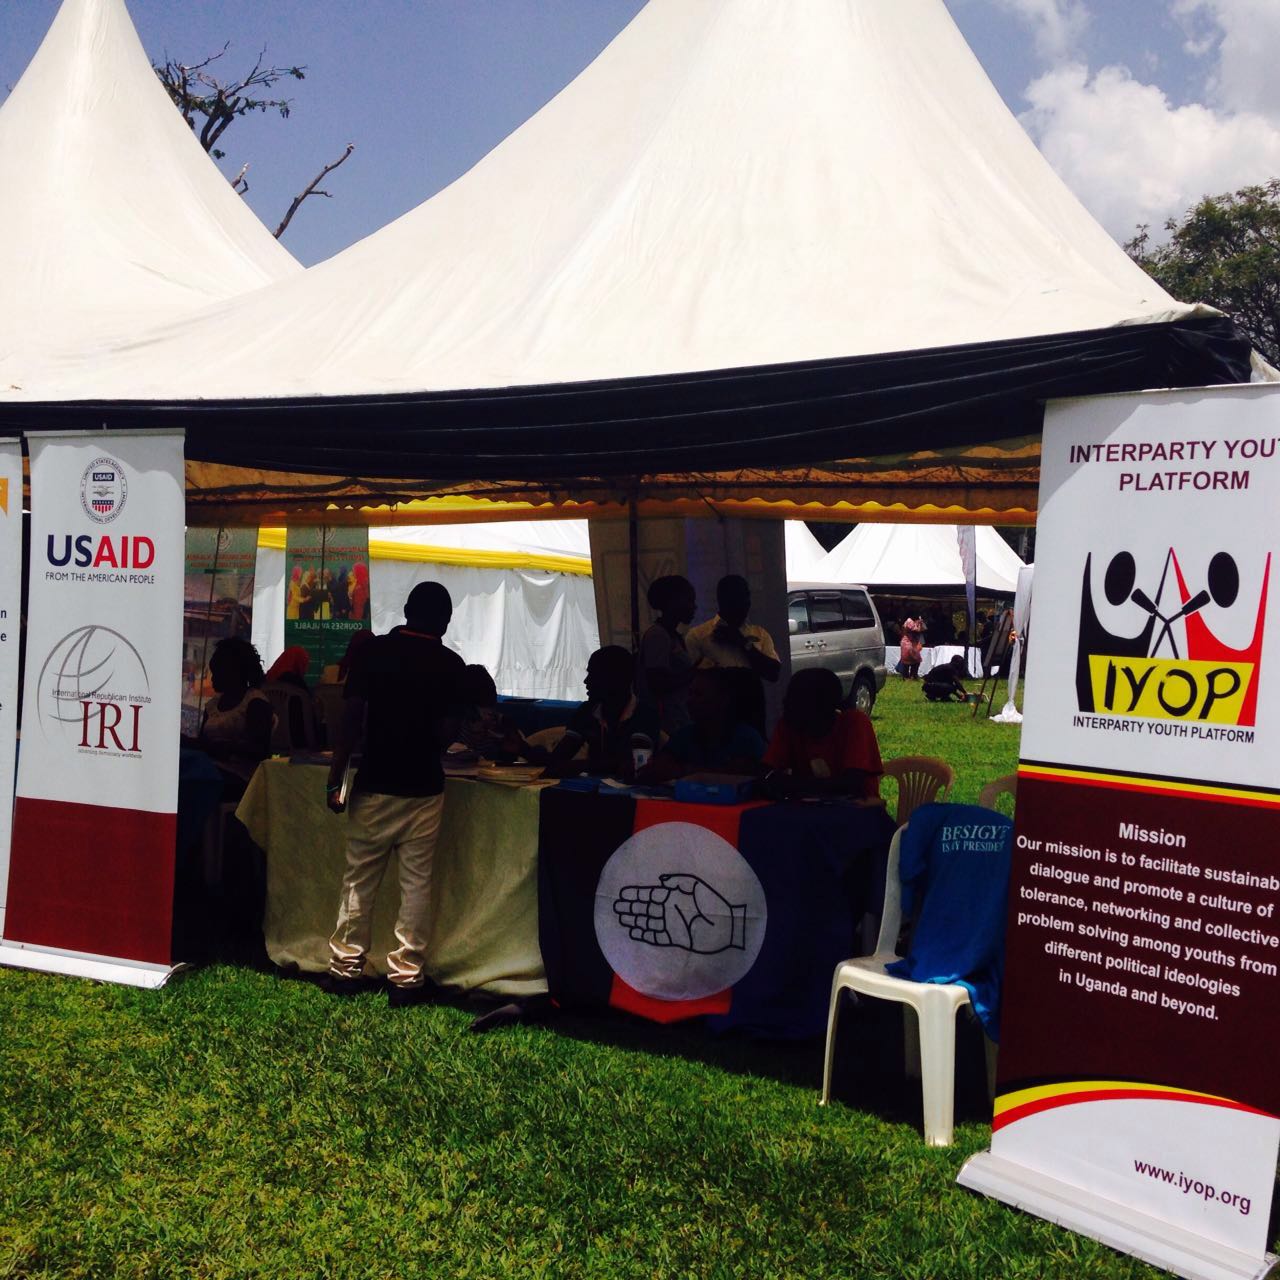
x=1057, y=24
x=1244, y=35
x=1132, y=156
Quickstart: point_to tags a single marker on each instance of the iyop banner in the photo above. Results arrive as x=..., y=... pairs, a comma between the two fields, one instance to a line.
x=91, y=873
x=1137, y=1094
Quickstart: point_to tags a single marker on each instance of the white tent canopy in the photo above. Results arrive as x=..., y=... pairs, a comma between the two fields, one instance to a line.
x=919, y=555
x=804, y=552
x=731, y=183
x=112, y=217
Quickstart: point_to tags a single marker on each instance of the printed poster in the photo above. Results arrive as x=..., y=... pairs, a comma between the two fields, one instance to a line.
x=1142, y=1005
x=92, y=862
x=326, y=592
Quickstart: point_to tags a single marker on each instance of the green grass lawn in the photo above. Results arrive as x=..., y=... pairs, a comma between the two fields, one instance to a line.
x=235, y=1124
x=978, y=751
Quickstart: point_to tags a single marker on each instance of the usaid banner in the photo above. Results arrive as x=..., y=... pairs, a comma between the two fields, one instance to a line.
x=10, y=612
x=1137, y=1093
x=91, y=874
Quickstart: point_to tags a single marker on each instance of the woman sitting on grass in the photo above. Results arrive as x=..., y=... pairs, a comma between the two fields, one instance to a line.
x=819, y=749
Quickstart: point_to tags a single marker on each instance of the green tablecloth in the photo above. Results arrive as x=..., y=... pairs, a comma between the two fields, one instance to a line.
x=484, y=928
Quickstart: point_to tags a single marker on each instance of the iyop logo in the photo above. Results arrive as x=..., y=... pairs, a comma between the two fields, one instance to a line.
x=1151, y=653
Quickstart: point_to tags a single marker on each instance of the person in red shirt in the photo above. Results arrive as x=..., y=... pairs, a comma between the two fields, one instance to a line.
x=819, y=749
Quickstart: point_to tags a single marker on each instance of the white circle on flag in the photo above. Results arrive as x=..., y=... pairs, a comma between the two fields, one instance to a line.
x=679, y=913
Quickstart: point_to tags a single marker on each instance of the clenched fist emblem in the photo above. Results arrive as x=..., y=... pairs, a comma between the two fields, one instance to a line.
x=682, y=911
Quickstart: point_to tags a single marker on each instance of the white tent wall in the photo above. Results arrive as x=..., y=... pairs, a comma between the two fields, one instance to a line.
x=533, y=629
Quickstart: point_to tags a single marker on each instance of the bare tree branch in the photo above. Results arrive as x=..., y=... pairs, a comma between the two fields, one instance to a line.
x=312, y=189
x=240, y=183
x=196, y=92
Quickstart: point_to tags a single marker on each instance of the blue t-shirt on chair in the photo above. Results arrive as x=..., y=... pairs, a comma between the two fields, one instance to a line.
x=954, y=862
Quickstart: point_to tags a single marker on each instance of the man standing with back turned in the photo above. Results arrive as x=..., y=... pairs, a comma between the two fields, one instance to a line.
x=403, y=690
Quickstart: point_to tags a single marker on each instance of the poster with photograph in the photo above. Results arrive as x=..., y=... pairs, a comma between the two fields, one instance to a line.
x=326, y=592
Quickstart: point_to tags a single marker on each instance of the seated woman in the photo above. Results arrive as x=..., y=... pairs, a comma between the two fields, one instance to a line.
x=236, y=730
x=819, y=749
x=717, y=741
x=945, y=683
x=612, y=722
x=484, y=729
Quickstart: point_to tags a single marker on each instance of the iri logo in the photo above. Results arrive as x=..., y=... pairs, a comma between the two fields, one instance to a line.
x=93, y=691
x=1177, y=648
x=103, y=490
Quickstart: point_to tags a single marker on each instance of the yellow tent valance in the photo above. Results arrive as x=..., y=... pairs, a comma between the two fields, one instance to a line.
x=457, y=557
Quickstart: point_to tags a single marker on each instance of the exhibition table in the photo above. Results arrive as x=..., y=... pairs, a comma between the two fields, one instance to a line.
x=484, y=927
x=768, y=896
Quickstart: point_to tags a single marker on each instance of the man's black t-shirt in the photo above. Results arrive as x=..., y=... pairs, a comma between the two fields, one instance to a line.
x=409, y=682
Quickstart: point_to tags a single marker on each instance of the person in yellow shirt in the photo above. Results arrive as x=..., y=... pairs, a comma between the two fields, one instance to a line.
x=740, y=647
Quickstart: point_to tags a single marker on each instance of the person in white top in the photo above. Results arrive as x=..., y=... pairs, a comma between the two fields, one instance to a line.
x=729, y=641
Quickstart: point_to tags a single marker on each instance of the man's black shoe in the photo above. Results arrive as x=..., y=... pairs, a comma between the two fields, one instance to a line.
x=403, y=997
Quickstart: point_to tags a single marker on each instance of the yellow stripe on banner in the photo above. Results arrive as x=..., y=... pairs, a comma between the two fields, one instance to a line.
x=1171, y=785
x=1039, y=1093
x=456, y=557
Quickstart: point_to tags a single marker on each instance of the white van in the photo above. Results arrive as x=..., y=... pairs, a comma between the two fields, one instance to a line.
x=838, y=627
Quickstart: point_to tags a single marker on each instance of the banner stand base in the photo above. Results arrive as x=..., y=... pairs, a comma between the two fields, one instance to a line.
x=78, y=964
x=1151, y=1239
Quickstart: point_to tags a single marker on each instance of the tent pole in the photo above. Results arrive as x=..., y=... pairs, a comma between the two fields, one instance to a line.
x=633, y=535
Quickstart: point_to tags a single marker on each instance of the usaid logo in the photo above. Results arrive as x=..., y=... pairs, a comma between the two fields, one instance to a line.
x=103, y=490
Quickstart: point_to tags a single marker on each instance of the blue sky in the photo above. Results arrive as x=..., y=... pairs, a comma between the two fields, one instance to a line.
x=1142, y=105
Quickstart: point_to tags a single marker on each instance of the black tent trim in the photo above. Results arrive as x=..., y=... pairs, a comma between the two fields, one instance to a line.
x=778, y=415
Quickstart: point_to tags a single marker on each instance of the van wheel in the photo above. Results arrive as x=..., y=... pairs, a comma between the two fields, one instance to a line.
x=863, y=697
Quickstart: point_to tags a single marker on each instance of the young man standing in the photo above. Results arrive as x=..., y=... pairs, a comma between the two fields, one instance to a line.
x=731, y=642
x=404, y=689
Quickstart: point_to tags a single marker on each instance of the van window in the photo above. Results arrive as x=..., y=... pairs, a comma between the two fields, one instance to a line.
x=825, y=613
x=857, y=609
x=798, y=612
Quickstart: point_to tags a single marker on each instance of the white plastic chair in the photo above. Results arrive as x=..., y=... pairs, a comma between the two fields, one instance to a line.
x=989, y=796
x=283, y=697
x=935, y=1005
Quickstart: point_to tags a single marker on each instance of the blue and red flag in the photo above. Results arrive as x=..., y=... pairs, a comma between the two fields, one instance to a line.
x=672, y=910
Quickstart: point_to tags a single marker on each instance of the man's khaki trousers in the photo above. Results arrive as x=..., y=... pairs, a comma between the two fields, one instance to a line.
x=377, y=825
